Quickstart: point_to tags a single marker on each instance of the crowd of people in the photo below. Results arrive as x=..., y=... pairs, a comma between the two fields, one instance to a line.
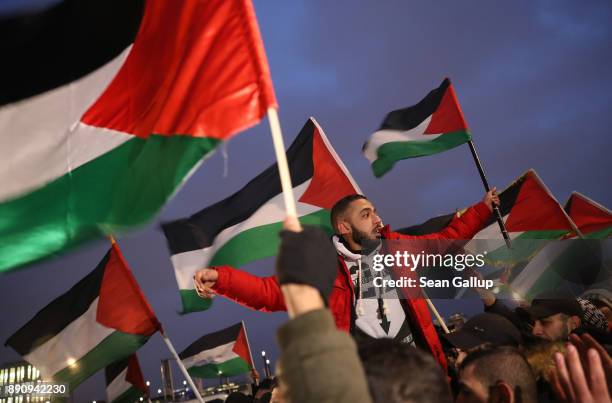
x=557, y=349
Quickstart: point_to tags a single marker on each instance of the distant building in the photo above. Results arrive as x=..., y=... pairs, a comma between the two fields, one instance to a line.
x=19, y=372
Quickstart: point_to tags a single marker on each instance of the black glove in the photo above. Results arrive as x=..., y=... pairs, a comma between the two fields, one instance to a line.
x=307, y=257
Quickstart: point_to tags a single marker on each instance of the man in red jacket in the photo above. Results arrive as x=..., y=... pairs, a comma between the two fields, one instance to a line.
x=357, y=308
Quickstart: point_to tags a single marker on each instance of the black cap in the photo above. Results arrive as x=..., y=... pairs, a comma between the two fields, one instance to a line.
x=551, y=303
x=485, y=328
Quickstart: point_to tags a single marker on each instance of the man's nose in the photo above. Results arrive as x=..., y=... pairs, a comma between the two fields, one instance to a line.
x=537, y=329
x=377, y=219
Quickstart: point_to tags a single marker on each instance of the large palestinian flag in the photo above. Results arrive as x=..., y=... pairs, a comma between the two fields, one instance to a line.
x=106, y=108
x=102, y=319
x=244, y=227
x=577, y=260
x=433, y=125
x=124, y=381
x=222, y=353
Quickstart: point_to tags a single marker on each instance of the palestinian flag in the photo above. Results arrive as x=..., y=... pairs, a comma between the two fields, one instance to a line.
x=579, y=260
x=592, y=219
x=124, y=381
x=244, y=227
x=102, y=319
x=433, y=125
x=532, y=216
x=222, y=353
x=107, y=107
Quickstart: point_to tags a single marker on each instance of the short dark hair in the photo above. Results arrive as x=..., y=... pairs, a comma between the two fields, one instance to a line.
x=493, y=364
x=341, y=206
x=398, y=372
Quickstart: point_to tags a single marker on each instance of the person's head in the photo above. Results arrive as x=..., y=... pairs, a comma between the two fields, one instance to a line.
x=496, y=374
x=592, y=317
x=398, y=372
x=555, y=315
x=602, y=298
x=483, y=329
x=265, y=386
x=355, y=219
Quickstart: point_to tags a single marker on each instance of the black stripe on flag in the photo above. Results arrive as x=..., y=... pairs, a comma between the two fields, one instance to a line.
x=58, y=45
x=112, y=371
x=430, y=226
x=412, y=116
x=200, y=230
x=507, y=200
x=62, y=311
x=212, y=340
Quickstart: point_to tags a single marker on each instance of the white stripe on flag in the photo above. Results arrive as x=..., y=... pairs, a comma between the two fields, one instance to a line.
x=216, y=355
x=118, y=386
x=537, y=266
x=68, y=346
x=388, y=136
x=273, y=211
x=42, y=139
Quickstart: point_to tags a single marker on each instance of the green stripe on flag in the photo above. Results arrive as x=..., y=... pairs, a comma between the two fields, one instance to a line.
x=262, y=241
x=129, y=396
x=232, y=367
x=389, y=153
x=192, y=302
x=113, y=348
x=123, y=188
x=522, y=247
x=601, y=234
x=253, y=244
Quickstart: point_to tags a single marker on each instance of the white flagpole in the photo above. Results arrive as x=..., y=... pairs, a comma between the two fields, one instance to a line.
x=435, y=312
x=281, y=159
x=181, y=366
x=246, y=336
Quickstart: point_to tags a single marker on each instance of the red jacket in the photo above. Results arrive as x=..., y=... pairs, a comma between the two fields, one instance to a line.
x=264, y=294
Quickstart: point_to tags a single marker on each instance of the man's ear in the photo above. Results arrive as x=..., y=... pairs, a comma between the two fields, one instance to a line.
x=343, y=228
x=574, y=322
x=501, y=392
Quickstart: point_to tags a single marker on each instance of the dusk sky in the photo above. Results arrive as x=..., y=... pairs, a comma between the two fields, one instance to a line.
x=533, y=79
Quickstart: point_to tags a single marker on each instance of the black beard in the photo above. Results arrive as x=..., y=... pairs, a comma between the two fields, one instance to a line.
x=361, y=239
x=358, y=236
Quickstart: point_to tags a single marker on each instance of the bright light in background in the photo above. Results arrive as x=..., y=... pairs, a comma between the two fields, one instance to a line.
x=148, y=383
x=184, y=382
x=267, y=361
x=159, y=391
x=141, y=399
x=263, y=353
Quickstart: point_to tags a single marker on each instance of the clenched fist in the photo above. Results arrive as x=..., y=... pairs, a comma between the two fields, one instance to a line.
x=204, y=280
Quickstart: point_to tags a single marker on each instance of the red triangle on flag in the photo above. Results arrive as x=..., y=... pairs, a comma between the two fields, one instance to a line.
x=330, y=182
x=448, y=117
x=588, y=215
x=241, y=347
x=134, y=374
x=121, y=304
x=536, y=209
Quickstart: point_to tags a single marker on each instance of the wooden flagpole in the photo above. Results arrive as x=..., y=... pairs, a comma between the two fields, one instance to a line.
x=435, y=312
x=281, y=160
x=485, y=182
x=181, y=365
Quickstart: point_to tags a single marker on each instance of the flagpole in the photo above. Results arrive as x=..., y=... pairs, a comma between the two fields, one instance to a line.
x=246, y=336
x=281, y=160
x=435, y=312
x=181, y=365
x=485, y=182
